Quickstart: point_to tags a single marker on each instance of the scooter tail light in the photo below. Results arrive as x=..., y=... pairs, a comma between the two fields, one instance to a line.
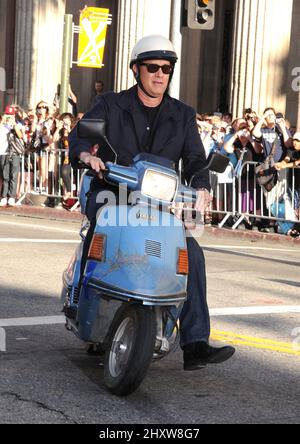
x=97, y=248
x=182, y=262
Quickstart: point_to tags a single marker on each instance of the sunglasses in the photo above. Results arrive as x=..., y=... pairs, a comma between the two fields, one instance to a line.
x=42, y=107
x=153, y=67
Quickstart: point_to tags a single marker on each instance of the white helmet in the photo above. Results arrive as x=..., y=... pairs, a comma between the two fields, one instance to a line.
x=153, y=47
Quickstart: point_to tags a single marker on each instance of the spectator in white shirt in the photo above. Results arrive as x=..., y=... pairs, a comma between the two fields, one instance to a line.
x=3, y=146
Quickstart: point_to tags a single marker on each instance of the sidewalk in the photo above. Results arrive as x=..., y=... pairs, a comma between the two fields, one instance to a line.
x=62, y=214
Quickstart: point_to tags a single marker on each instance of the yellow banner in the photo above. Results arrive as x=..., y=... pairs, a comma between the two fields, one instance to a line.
x=93, y=27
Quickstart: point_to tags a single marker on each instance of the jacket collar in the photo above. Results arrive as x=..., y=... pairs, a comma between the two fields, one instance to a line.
x=129, y=102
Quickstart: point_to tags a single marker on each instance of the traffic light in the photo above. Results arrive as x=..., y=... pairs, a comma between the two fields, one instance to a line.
x=201, y=14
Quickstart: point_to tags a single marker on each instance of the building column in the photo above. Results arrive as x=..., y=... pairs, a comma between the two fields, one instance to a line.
x=176, y=38
x=137, y=18
x=7, y=32
x=3, y=32
x=23, y=51
x=129, y=30
x=293, y=81
x=260, y=57
x=39, y=34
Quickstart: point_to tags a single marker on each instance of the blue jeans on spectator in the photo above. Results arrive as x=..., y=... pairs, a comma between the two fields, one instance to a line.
x=279, y=211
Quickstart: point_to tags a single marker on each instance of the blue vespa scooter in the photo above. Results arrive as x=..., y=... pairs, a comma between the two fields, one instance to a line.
x=135, y=278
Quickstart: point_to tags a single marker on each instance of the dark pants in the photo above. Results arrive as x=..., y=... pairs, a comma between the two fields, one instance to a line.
x=2, y=159
x=10, y=167
x=66, y=177
x=194, y=318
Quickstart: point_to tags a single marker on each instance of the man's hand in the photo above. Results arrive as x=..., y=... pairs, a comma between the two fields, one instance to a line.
x=95, y=162
x=281, y=123
x=279, y=166
x=202, y=205
x=203, y=201
x=185, y=210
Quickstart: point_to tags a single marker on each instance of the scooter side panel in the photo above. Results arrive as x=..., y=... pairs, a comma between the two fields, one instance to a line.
x=71, y=277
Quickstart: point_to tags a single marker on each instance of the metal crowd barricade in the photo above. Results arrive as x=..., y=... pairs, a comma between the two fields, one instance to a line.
x=224, y=194
x=42, y=174
x=236, y=194
x=280, y=204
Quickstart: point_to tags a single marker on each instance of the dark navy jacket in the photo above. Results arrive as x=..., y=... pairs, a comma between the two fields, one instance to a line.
x=175, y=133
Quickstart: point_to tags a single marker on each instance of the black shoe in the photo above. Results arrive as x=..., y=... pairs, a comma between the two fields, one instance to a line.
x=264, y=230
x=248, y=225
x=197, y=354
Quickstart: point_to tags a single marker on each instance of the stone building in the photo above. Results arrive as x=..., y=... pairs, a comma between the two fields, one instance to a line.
x=250, y=59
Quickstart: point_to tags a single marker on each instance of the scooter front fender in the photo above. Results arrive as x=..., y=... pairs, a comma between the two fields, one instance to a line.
x=95, y=314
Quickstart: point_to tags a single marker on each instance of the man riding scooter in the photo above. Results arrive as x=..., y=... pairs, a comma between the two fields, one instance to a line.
x=145, y=119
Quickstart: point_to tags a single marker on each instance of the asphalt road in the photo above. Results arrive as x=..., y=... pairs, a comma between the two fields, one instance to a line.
x=47, y=377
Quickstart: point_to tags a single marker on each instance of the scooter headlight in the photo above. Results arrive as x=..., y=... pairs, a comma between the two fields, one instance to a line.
x=159, y=186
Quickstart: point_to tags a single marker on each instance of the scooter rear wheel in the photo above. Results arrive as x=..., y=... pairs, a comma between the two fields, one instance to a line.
x=130, y=349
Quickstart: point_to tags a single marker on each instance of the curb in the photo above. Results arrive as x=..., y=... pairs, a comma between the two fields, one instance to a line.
x=62, y=214
x=251, y=235
x=42, y=213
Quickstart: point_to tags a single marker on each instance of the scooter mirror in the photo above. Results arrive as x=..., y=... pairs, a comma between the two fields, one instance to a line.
x=217, y=162
x=91, y=129
x=95, y=130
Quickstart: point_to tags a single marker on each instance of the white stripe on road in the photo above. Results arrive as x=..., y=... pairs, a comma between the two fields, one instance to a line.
x=239, y=247
x=231, y=311
x=213, y=247
x=2, y=340
x=37, y=241
x=243, y=311
x=39, y=320
x=225, y=247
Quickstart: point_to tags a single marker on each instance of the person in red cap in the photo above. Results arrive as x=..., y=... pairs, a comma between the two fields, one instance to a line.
x=10, y=160
x=9, y=111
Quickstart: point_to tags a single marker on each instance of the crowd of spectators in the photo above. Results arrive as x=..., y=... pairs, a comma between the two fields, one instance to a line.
x=37, y=139
x=34, y=142
x=251, y=138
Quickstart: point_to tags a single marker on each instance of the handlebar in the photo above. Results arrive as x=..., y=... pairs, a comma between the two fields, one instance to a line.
x=122, y=174
x=84, y=166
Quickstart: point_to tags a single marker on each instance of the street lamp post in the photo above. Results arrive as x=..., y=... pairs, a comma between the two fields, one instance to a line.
x=66, y=63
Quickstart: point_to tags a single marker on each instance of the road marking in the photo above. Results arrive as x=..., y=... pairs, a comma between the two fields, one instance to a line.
x=238, y=247
x=244, y=311
x=39, y=227
x=254, y=342
x=49, y=320
x=38, y=320
x=2, y=340
x=218, y=335
x=37, y=241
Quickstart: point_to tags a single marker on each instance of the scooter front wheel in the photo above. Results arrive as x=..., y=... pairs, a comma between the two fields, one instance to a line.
x=130, y=349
